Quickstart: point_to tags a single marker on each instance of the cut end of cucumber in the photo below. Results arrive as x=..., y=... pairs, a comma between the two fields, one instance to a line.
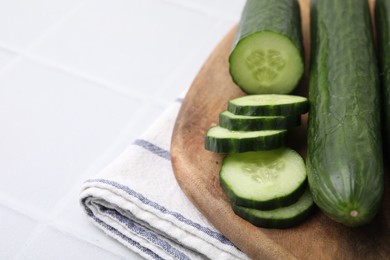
x=220, y=132
x=222, y=140
x=268, y=104
x=266, y=62
x=268, y=100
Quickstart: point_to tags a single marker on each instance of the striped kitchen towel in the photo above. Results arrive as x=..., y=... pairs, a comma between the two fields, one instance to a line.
x=137, y=201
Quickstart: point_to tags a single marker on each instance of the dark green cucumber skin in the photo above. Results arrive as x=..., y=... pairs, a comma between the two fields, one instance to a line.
x=297, y=108
x=229, y=145
x=272, y=223
x=281, y=16
x=344, y=160
x=245, y=213
x=256, y=124
x=262, y=205
x=382, y=24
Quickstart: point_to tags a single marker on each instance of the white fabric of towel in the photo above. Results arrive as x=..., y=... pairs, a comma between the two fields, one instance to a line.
x=137, y=201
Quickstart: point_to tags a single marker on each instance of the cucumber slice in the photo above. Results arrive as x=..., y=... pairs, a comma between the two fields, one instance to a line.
x=265, y=179
x=268, y=105
x=283, y=217
x=255, y=123
x=267, y=55
x=222, y=140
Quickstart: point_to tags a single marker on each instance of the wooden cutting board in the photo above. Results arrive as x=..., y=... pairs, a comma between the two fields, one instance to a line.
x=196, y=171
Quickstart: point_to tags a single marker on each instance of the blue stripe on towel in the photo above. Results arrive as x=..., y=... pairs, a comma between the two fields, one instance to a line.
x=153, y=148
x=122, y=236
x=151, y=236
x=216, y=235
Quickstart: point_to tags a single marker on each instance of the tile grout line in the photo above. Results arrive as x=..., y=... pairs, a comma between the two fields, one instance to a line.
x=55, y=25
x=20, y=209
x=115, y=88
x=118, y=89
x=20, y=53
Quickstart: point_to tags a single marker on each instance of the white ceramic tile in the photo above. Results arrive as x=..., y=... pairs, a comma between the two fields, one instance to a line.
x=53, y=244
x=22, y=21
x=15, y=229
x=230, y=9
x=153, y=112
x=181, y=79
x=5, y=57
x=54, y=126
x=130, y=43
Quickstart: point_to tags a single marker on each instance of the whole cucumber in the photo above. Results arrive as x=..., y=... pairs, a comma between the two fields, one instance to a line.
x=344, y=161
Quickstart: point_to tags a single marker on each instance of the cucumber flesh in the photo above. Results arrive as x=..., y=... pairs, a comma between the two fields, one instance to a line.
x=264, y=179
x=254, y=123
x=266, y=62
x=268, y=105
x=283, y=217
x=222, y=140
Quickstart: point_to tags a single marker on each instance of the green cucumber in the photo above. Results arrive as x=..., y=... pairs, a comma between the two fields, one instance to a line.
x=222, y=140
x=264, y=179
x=382, y=22
x=254, y=123
x=283, y=217
x=344, y=159
x=268, y=105
x=267, y=54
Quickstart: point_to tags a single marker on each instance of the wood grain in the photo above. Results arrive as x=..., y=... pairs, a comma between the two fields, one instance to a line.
x=196, y=171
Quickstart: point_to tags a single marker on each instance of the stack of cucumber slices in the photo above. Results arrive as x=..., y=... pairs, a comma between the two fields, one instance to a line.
x=255, y=123
x=265, y=181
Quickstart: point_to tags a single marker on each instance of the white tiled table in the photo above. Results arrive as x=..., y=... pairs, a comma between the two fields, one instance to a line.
x=79, y=80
